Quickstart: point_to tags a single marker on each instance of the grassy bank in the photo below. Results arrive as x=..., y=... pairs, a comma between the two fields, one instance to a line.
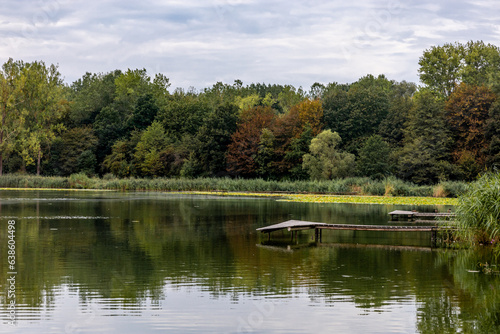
x=358, y=186
x=351, y=186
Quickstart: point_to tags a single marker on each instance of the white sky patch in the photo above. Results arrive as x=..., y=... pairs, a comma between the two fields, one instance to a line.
x=196, y=43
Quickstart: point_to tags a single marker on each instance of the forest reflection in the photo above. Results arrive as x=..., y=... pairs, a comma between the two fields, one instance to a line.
x=128, y=247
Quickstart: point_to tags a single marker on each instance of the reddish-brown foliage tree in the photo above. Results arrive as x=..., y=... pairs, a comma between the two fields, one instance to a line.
x=467, y=112
x=245, y=141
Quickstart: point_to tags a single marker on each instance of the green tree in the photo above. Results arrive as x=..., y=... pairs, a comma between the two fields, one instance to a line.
x=265, y=154
x=440, y=68
x=317, y=91
x=117, y=103
x=294, y=155
x=148, y=150
x=45, y=103
x=119, y=161
x=66, y=151
x=325, y=162
x=481, y=63
x=87, y=162
x=183, y=115
x=426, y=153
x=130, y=86
x=144, y=113
x=374, y=157
x=213, y=139
x=401, y=103
x=11, y=113
x=109, y=126
x=89, y=95
x=356, y=111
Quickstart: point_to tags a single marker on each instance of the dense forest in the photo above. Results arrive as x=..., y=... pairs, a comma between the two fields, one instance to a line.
x=131, y=125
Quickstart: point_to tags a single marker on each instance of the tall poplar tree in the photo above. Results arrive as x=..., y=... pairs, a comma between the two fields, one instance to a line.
x=42, y=96
x=11, y=113
x=426, y=152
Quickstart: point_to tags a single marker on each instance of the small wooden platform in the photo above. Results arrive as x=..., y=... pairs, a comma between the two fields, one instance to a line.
x=414, y=214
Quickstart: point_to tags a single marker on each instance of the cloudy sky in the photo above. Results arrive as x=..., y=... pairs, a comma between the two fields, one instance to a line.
x=197, y=43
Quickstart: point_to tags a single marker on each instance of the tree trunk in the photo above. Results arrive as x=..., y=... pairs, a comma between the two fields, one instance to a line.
x=38, y=162
x=1, y=142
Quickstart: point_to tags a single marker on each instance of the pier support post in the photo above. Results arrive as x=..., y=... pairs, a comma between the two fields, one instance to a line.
x=433, y=238
x=317, y=234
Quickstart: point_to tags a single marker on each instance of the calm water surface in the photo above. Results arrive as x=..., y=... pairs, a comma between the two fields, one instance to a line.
x=106, y=262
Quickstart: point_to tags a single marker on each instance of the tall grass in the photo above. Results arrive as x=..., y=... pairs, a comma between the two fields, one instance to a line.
x=478, y=211
x=353, y=185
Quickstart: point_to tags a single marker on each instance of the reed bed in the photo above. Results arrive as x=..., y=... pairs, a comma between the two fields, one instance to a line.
x=478, y=212
x=349, y=186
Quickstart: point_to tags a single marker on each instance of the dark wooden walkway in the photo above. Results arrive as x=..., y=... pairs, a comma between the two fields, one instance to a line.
x=297, y=225
x=413, y=214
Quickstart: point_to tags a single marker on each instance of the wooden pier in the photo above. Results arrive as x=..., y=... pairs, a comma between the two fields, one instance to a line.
x=410, y=215
x=296, y=225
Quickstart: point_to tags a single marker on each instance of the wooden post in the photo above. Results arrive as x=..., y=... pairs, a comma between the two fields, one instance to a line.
x=433, y=238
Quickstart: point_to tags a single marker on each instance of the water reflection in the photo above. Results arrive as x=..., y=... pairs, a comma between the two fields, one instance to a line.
x=111, y=262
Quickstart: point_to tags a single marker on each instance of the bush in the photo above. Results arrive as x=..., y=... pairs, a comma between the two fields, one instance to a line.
x=478, y=211
x=80, y=181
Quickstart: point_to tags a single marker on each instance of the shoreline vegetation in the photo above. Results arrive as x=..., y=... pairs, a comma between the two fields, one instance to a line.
x=349, y=190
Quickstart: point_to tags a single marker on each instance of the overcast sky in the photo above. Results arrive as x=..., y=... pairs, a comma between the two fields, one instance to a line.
x=197, y=43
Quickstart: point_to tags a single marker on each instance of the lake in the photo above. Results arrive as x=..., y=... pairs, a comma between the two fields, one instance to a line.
x=111, y=262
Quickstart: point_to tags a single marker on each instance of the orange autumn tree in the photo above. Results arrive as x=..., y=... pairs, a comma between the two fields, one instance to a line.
x=467, y=111
x=294, y=132
x=310, y=114
x=242, y=152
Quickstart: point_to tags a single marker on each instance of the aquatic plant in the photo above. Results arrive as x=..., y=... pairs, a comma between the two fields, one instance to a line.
x=478, y=210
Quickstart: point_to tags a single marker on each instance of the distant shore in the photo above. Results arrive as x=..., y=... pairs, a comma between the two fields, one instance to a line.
x=349, y=190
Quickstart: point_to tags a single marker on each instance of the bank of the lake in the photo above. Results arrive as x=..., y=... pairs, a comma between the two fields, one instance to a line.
x=387, y=190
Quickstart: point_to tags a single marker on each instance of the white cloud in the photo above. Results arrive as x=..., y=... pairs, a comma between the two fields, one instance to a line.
x=196, y=43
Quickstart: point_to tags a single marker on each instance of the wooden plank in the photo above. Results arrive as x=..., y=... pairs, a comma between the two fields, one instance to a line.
x=398, y=228
x=289, y=223
x=434, y=214
x=296, y=225
x=432, y=221
x=402, y=213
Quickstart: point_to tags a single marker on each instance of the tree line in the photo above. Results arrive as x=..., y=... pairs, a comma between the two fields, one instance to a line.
x=129, y=124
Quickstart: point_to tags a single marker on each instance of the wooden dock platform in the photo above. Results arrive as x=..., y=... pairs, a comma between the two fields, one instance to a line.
x=414, y=214
x=297, y=225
